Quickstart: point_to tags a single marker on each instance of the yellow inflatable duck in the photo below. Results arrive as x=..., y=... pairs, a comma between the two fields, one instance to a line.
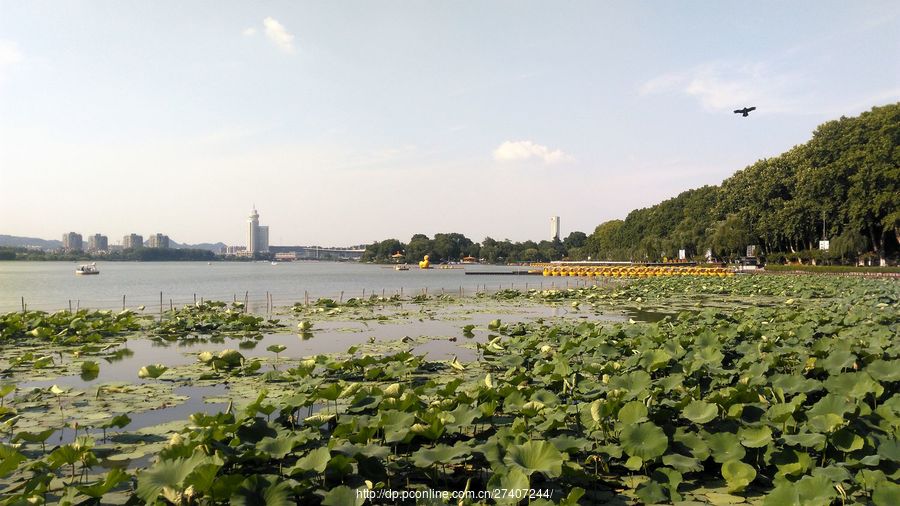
x=425, y=264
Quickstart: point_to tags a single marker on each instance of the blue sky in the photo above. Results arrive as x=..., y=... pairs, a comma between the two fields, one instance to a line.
x=346, y=122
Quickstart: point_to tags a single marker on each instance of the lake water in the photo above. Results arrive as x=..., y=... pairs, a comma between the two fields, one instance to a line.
x=53, y=285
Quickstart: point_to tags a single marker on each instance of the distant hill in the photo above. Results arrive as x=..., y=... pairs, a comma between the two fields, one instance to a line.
x=48, y=244
x=22, y=242
x=208, y=246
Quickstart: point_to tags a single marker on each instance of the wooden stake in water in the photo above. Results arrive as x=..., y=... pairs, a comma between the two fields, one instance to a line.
x=23, y=304
x=123, y=303
x=160, y=305
x=342, y=297
x=70, y=305
x=246, y=300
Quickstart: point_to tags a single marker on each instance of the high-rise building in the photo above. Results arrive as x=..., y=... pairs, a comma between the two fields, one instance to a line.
x=554, y=228
x=132, y=241
x=262, y=244
x=98, y=242
x=160, y=241
x=258, y=240
x=72, y=241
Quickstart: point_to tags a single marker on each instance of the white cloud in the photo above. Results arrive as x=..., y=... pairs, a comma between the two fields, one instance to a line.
x=249, y=32
x=722, y=86
x=278, y=34
x=524, y=150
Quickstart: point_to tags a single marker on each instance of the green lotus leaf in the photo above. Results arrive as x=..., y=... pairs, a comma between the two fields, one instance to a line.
x=737, y=474
x=755, y=437
x=535, y=456
x=6, y=389
x=855, y=385
x=29, y=437
x=816, y=490
x=343, y=496
x=204, y=477
x=276, y=348
x=113, y=479
x=118, y=421
x=846, y=440
x=886, y=494
x=633, y=385
x=644, y=440
x=654, y=359
x=697, y=446
x=828, y=413
x=805, y=439
x=275, y=447
x=837, y=361
x=632, y=413
x=651, y=492
x=263, y=490
x=152, y=371
x=512, y=478
x=784, y=494
x=700, y=412
x=682, y=463
x=316, y=460
x=884, y=370
x=792, y=462
x=166, y=477
x=725, y=446
x=440, y=454
x=889, y=449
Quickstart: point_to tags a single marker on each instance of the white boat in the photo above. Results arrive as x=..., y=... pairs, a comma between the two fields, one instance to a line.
x=87, y=269
x=274, y=263
x=401, y=267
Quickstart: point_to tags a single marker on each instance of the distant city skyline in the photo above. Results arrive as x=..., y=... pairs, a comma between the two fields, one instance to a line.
x=482, y=119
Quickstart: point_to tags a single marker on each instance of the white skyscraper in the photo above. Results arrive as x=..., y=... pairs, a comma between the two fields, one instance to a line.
x=258, y=241
x=554, y=228
x=254, y=231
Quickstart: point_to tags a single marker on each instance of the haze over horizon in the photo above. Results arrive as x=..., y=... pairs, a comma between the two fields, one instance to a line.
x=350, y=122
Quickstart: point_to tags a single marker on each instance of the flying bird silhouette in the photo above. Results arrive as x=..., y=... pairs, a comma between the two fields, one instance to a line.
x=745, y=111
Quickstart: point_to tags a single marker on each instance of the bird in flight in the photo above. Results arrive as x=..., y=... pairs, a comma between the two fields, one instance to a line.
x=745, y=111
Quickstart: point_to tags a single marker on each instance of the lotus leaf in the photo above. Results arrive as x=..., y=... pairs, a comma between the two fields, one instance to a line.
x=644, y=440
x=700, y=412
x=152, y=371
x=535, y=456
x=440, y=454
x=737, y=474
x=632, y=413
x=725, y=446
x=755, y=437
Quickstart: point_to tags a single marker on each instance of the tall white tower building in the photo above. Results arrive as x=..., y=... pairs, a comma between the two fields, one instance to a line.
x=254, y=232
x=554, y=228
x=258, y=240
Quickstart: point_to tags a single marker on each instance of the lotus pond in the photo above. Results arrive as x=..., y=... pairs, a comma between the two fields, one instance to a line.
x=747, y=390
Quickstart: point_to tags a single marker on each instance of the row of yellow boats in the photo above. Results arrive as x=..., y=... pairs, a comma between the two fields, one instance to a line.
x=634, y=271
